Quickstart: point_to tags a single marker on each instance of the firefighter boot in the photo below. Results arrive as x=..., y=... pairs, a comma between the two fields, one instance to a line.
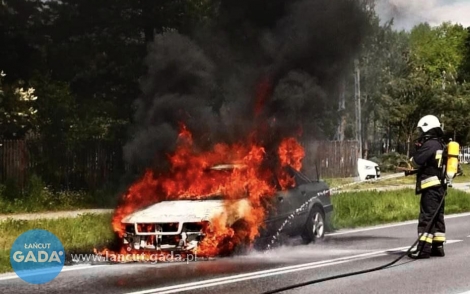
x=438, y=249
x=423, y=251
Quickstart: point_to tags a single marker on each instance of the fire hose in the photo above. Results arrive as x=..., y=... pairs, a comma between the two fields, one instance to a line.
x=450, y=169
x=428, y=228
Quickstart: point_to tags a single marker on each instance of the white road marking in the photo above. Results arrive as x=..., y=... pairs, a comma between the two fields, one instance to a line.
x=271, y=272
x=393, y=225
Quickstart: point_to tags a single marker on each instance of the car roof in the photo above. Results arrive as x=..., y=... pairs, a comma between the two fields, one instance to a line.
x=230, y=166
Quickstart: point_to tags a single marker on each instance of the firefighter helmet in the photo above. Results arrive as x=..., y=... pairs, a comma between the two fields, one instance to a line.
x=428, y=122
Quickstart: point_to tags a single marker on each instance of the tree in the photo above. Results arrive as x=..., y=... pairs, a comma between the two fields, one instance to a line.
x=20, y=41
x=464, y=69
x=439, y=50
x=408, y=99
x=379, y=52
x=18, y=114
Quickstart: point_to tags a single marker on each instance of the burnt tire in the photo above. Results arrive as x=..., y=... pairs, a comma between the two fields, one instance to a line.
x=241, y=240
x=315, y=226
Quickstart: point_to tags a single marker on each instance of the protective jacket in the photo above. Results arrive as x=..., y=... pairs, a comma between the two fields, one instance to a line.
x=428, y=160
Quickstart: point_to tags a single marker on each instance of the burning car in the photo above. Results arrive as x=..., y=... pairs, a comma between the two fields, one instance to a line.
x=179, y=224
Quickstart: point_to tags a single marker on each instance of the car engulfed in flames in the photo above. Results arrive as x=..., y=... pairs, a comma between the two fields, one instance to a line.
x=177, y=225
x=212, y=203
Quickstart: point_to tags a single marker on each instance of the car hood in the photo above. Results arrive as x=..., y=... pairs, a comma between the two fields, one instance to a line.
x=363, y=163
x=181, y=211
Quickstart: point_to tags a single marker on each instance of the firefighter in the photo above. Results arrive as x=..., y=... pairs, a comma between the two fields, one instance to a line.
x=430, y=183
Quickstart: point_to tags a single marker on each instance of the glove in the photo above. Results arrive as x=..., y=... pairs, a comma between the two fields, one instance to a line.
x=410, y=172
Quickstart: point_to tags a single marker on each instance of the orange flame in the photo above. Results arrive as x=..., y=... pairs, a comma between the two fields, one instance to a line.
x=190, y=178
x=291, y=154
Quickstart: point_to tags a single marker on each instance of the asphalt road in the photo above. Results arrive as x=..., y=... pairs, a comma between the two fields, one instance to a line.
x=342, y=252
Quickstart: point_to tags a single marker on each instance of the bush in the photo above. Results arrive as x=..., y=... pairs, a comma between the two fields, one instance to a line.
x=36, y=190
x=10, y=190
x=390, y=161
x=2, y=191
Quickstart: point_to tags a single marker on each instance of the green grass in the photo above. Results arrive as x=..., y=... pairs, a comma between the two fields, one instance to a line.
x=78, y=235
x=37, y=197
x=59, y=201
x=336, y=182
x=466, y=174
x=366, y=208
x=339, y=183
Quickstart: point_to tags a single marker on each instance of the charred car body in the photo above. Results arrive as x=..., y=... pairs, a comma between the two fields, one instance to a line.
x=178, y=224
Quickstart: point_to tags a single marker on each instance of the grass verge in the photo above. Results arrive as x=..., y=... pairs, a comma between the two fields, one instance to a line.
x=78, y=235
x=367, y=208
x=465, y=177
x=336, y=182
x=37, y=197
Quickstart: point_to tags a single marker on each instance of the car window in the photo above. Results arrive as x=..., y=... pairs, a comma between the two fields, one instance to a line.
x=299, y=178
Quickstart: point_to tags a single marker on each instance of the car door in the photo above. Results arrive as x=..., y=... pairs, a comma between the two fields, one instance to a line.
x=285, y=204
x=299, y=195
x=314, y=192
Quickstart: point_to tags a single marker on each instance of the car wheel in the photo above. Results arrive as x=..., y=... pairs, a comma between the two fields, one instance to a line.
x=242, y=241
x=315, y=226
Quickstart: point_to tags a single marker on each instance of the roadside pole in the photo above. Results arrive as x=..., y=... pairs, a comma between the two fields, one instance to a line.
x=357, y=100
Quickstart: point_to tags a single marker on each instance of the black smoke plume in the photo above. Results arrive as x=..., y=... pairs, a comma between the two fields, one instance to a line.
x=265, y=66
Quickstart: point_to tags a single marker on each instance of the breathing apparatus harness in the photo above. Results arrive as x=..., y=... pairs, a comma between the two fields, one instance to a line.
x=448, y=160
x=449, y=168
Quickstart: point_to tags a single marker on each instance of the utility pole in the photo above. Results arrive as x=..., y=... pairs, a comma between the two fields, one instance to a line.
x=357, y=100
x=341, y=110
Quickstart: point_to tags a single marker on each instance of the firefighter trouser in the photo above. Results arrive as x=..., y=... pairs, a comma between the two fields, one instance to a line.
x=430, y=200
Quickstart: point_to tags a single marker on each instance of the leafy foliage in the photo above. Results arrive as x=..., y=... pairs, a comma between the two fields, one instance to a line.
x=388, y=162
x=18, y=114
x=411, y=74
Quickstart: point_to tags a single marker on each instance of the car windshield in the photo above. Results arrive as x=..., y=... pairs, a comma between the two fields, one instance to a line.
x=215, y=170
x=219, y=169
x=299, y=177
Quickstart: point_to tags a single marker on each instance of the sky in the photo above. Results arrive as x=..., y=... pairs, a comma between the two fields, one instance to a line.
x=407, y=13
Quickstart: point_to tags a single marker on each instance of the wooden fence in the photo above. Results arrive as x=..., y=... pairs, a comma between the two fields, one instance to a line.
x=14, y=161
x=334, y=159
x=86, y=166
x=94, y=163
